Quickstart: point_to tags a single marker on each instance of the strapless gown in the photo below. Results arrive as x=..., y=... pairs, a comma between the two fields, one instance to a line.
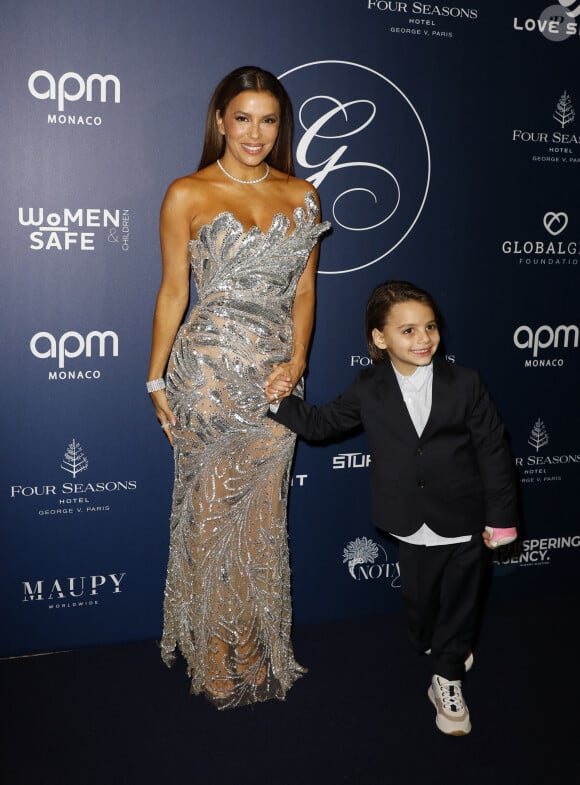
x=227, y=600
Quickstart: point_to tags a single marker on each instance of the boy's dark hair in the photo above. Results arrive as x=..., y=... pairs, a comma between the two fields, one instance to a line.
x=382, y=299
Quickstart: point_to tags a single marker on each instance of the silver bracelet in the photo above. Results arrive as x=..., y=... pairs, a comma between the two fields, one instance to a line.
x=155, y=384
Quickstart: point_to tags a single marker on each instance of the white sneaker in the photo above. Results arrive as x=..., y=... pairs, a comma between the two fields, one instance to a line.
x=452, y=713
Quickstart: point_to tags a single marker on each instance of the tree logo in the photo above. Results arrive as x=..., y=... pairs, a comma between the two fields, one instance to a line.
x=564, y=113
x=74, y=461
x=538, y=436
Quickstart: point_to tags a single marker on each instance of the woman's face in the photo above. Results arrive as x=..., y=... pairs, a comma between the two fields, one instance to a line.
x=250, y=124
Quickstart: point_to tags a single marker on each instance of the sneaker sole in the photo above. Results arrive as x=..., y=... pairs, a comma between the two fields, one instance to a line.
x=448, y=727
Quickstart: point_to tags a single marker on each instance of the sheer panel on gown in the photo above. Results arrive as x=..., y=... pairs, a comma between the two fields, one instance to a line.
x=227, y=599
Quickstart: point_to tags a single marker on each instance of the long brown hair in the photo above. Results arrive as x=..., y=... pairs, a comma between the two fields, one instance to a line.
x=249, y=77
x=382, y=299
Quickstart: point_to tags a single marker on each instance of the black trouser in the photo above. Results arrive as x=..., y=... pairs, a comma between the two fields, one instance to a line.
x=441, y=591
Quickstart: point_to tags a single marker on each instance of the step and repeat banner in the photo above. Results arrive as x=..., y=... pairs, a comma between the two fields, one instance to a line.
x=444, y=141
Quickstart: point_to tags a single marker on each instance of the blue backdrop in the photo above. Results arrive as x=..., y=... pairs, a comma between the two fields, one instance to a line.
x=444, y=143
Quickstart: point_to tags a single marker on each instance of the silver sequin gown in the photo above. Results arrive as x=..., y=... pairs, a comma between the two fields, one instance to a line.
x=227, y=599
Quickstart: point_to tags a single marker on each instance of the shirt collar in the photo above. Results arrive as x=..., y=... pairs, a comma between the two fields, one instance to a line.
x=421, y=375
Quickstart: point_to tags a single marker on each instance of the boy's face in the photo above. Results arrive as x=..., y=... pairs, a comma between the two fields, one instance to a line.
x=410, y=336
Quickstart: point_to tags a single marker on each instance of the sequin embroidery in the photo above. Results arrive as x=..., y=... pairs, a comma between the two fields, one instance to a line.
x=227, y=599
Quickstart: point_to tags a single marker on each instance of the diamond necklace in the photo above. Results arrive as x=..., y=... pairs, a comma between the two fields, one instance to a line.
x=243, y=182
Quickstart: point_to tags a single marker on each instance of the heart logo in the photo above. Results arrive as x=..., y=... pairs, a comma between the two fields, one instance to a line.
x=555, y=223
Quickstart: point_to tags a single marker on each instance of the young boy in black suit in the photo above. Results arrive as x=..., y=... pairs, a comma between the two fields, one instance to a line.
x=441, y=476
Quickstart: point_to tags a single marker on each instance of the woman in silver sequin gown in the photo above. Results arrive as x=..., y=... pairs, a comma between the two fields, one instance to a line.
x=251, y=230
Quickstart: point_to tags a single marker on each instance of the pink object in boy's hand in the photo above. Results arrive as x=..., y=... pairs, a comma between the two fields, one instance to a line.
x=498, y=537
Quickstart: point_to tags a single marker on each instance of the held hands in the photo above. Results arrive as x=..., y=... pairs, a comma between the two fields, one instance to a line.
x=164, y=414
x=283, y=379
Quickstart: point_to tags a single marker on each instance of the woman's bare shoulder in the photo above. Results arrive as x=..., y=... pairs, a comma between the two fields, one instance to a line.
x=295, y=188
x=190, y=195
x=186, y=188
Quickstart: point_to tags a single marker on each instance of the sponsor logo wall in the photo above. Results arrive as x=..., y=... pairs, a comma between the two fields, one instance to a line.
x=444, y=141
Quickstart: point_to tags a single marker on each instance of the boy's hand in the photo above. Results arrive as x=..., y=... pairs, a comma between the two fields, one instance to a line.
x=279, y=384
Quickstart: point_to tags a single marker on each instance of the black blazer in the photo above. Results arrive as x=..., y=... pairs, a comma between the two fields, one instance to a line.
x=458, y=477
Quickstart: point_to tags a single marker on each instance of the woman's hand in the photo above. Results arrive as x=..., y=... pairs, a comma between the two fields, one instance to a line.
x=164, y=414
x=283, y=379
